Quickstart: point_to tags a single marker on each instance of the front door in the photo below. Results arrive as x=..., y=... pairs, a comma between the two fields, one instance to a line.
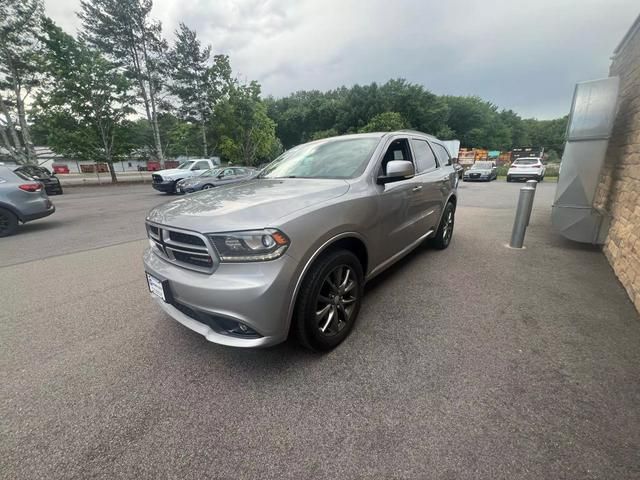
x=401, y=204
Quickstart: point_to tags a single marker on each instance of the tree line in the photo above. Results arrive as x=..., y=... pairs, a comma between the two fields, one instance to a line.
x=398, y=104
x=118, y=89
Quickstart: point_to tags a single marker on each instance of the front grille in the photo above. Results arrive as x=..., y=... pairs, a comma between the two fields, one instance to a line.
x=186, y=238
x=156, y=178
x=186, y=249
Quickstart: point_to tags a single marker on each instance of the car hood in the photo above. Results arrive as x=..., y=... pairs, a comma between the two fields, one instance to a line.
x=169, y=172
x=257, y=203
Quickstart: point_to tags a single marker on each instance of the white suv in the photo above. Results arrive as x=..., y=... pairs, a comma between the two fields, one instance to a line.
x=526, y=168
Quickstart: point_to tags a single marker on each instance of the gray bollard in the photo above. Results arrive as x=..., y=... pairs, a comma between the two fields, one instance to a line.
x=534, y=184
x=523, y=212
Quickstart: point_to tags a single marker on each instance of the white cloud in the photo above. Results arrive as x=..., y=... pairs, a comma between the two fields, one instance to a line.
x=522, y=55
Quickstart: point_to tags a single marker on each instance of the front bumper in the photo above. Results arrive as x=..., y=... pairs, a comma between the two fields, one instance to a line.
x=256, y=294
x=481, y=178
x=187, y=189
x=167, y=186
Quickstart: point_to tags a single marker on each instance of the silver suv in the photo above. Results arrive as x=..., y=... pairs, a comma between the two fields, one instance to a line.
x=21, y=200
x=290, y=251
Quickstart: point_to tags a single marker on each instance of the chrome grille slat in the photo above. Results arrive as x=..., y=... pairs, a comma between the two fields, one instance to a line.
x=197, y=254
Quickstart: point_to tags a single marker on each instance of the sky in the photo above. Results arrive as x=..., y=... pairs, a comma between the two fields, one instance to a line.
x=524, y=55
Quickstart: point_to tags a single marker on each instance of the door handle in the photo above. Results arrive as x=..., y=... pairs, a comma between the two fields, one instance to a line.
x=416, y=189
x=445, y=179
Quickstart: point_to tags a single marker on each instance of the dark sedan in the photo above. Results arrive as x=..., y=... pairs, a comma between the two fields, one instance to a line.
x=49, y=180
x=215, y=177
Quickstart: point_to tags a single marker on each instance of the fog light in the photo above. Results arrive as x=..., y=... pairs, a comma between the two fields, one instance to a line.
x=242, y=329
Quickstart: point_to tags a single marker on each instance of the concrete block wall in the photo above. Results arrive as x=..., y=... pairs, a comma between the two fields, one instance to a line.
x=619, y=190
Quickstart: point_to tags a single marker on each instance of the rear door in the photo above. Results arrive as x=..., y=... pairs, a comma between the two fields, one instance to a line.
x=447, y=178
x=430, y=174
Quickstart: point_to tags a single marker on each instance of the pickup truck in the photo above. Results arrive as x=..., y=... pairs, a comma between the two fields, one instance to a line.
x=166, y=180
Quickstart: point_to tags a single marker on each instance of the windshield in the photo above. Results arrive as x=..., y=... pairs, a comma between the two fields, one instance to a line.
x=185, y=165
x=481, y=165
x=212, y=172
x=526, y=161
x=336, y=158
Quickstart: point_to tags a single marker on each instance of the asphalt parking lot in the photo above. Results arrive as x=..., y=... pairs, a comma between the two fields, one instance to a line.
x=474, y=362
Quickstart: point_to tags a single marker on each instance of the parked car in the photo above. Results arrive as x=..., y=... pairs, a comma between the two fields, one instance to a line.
x=166, y=180
x=481, y=171
x=526, y=168
x=40, y=174
x=294, y=246
x=215, y=177
x=21, y=200
x=60, y=168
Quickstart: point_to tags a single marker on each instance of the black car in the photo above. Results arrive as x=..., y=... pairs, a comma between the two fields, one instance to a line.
x=40, y=174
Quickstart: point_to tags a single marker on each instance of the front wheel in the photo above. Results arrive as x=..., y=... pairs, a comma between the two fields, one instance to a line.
x=8, y=223
x=329, y=300
x=445, y=229
x=207, y=186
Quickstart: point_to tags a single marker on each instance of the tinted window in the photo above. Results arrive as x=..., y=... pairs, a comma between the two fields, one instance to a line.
x=202, y=165
x=442, y=153
x=425, y=159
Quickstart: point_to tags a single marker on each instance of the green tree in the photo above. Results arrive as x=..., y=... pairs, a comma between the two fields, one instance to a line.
x=320, y=134
x=245, y=131
x=198, y=85
x=20, y=73
x=385, y=122
x=84, y=102
x=124, y=31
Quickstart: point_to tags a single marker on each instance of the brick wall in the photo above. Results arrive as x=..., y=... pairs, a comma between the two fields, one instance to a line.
x=619, y=190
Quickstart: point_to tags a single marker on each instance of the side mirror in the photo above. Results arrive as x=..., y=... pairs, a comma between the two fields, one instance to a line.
x=397, y=170
x=220, y=175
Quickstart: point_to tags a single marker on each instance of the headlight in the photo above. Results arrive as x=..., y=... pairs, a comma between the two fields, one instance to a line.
x=250, y=246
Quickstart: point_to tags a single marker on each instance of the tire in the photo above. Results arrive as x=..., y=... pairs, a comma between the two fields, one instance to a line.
x=445, y=229
x=207, y=186
x=541, y=178
x=8, y=223
x=508, y=178
x=60, y=191
x=316, y=295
